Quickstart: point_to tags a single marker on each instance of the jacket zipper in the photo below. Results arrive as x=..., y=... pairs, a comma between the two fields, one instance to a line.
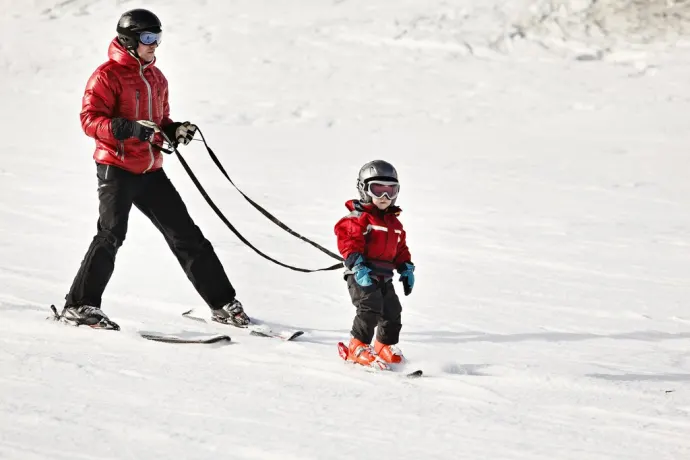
x=160, y=102
x=148, y=88
x=136, y=116
x=121, y=149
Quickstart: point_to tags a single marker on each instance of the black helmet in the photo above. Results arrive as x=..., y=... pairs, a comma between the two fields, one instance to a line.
x=132, y=23
x=375, y=170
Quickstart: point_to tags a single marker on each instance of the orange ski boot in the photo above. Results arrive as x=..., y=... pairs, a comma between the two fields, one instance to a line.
x=362, y=353
x=389, y=353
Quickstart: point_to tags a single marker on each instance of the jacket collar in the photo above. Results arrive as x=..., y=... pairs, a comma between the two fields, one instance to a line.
x=117, y=53
x=357, y=205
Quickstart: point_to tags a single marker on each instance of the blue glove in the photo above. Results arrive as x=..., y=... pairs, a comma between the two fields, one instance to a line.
x=406, y=271
x=361, y=272
x=362, y=276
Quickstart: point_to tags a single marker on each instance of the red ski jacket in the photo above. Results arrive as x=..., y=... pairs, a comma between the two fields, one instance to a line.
x=125, y=87
x=377, y=235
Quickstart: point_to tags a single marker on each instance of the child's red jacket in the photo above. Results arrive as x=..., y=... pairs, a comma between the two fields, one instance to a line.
x=377, y=235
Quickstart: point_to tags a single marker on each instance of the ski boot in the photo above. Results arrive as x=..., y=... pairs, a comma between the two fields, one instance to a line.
x=87, y=315
x=389, y=353
x=361, y=353
x=232, y=314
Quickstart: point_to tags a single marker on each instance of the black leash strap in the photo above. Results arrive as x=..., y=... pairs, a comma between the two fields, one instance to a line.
x=261, y=209
x=258, y=207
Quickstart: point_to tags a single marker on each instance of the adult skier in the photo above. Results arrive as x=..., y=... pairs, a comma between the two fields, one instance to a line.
x=124, y=104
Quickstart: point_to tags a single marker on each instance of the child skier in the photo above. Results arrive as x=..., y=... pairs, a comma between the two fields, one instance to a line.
x=372, y=241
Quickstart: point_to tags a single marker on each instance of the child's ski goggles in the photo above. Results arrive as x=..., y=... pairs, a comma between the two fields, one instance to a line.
x=379, y=188
x=149, y=38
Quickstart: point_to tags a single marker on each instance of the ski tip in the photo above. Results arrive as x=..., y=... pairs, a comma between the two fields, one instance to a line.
x=295, y=335
x=415, y=374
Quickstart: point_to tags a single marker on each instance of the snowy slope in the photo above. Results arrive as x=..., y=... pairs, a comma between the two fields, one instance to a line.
x=545, y=200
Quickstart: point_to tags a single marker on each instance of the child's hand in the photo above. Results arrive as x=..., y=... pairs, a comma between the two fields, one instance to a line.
x=356, y=263
x=406, y=271
x=362, y=276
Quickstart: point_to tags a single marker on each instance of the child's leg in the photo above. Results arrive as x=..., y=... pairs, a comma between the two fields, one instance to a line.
x=369, y=306
x=389, y=324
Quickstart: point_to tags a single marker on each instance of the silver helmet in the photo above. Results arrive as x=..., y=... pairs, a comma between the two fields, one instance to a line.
x=377, y=170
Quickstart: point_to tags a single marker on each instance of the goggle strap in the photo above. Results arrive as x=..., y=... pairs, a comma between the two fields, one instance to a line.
x=135, y=35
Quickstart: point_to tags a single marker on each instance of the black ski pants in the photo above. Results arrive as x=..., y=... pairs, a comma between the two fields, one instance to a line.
x=155, y=196
x=376, y=306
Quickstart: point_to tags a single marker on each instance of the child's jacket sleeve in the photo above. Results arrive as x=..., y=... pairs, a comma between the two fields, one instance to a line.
x=403, y=253
x=350, y=233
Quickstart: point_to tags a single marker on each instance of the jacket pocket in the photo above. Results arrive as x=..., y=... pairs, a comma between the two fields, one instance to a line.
x=104, y=172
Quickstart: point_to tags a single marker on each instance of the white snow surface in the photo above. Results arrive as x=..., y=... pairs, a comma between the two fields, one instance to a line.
x=545, y=198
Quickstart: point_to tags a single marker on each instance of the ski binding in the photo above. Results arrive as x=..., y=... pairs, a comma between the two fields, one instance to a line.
x=257, y=329
x=105, y=324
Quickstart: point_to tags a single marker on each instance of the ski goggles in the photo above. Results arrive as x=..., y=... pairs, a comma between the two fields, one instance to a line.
x=149, y=38
x=381, y=188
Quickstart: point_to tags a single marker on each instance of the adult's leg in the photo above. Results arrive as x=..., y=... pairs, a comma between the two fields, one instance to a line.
x=116, y=191
x=162, y=204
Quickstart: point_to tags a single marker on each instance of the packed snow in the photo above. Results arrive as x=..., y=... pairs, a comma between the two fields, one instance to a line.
x=544, y=191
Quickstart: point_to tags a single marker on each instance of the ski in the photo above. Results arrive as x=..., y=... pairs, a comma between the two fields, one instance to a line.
x=105, y=324
x=166, y=338
x=288, y=336
x=344, y=352
x=257, y=329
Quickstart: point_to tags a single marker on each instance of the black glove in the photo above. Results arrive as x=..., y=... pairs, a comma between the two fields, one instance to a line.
x=124, y=129
x=180, y=133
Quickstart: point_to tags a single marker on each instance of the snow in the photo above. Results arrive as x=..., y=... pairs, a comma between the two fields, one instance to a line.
x=545, y=199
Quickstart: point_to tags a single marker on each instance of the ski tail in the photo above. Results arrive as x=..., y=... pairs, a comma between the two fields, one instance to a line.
x=168, y=338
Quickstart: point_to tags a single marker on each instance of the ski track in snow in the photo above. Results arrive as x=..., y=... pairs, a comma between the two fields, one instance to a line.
x=544, y=200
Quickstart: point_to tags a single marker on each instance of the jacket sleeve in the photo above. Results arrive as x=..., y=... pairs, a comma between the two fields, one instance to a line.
x=403, y=253
x=98, y=107
x=166, y=106
x=350, y=233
